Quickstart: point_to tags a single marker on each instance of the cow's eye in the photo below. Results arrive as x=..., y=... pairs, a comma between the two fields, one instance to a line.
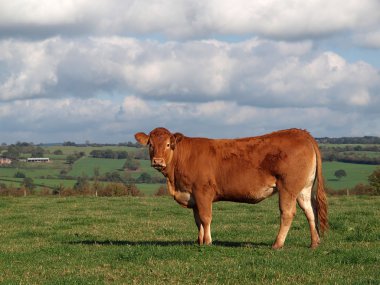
x=168, y=145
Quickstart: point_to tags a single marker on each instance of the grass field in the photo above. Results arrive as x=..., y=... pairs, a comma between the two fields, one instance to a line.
x=47, y=240
x=86, y=165
x=356, y=173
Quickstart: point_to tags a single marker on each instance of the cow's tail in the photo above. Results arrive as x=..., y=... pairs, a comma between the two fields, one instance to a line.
x=321, y=200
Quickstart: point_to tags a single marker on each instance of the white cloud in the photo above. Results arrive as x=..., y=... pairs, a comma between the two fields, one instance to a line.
x=190, y=19
x=49, y=120
x=101, y=120
x=370, y=39
x=29, y=69
x=254, y=72
x=104, y=69
x=43, y=12
x=135, y=107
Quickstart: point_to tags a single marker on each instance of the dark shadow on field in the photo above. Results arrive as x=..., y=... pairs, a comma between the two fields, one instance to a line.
x=167, y=243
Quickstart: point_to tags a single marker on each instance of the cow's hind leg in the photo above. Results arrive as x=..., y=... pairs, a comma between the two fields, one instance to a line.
x=199, y=225
x=304, y=200
x=287, y=203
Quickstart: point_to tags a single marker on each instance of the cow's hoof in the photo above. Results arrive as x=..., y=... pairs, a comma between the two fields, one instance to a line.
x=276, y=246
x=314, y=245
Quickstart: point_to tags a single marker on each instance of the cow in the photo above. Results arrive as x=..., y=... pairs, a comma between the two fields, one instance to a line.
x=200, y=171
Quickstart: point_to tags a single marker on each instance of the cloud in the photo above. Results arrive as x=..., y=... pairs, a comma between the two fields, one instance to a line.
x=255, y=72
x=78, y=70
x=29, y=68
x=101, y=120
x=295, y=19
x=49, y=120
x=370, y=39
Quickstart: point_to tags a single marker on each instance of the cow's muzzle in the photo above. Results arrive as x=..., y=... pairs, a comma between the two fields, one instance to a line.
x=158, y=163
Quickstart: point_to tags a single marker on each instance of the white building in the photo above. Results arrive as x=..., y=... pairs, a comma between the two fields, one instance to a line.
x=37, y=159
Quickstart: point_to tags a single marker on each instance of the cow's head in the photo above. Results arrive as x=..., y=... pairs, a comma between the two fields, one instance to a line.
x=162, y=144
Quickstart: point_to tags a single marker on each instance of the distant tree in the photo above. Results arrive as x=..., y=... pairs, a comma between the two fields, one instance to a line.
x=19, y=174
x=28, y=183
x=58, y=189
x=122, y=155
x=374, y=180
x=131, y=164
x=82, y=185
x=58, y=152
x=142, y=154
x=144, y=178
x=113, y=177
x=70, y=159
x=109, y=153
x=38, y=152
x=340, y=173
x=12, y=152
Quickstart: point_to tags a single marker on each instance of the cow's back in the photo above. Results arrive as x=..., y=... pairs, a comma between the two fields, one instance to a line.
x=246, y=169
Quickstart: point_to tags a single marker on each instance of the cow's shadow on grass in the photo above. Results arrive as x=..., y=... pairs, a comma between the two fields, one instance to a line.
x=167, y=243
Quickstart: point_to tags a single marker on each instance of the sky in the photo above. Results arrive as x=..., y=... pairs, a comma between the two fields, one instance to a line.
x=100, y=71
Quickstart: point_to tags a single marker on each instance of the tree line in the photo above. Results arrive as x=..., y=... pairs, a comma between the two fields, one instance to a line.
x=350, y=140
x=351, y=154
x=14, y=151
x=109, y=153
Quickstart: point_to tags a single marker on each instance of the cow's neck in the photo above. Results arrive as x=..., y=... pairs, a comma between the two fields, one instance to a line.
x=175, y=166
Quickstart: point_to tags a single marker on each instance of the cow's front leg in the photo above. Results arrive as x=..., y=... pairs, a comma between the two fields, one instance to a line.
x=199, y=225
x=204, y=207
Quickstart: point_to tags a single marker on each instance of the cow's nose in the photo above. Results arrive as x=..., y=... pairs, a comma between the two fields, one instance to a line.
x=158, y=162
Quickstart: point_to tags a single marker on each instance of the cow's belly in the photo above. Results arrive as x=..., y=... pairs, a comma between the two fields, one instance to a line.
x=185, y=199
x=252, y=196
x=257, y=195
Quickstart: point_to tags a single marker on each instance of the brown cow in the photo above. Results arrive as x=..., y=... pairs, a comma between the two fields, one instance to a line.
x=200, y=171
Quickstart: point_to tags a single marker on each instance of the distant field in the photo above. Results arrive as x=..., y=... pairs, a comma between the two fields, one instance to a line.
x=47, y=240
x=356, y=173
x=86, y=165
x=149, y=189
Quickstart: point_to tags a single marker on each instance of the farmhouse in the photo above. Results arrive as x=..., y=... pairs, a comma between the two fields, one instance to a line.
x=4, y=160
x=37, y=159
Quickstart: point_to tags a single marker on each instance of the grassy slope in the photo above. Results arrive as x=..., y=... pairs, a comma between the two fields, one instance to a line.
x=86, y=165
x=151, y=241
x=356, y=173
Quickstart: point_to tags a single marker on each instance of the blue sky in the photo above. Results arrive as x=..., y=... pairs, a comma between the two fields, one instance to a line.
x=103, y=70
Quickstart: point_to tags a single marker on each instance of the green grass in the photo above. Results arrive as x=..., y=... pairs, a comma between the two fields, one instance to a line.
x=86, y=165
x=151, y=241
x=356, y=173
x=149, y=189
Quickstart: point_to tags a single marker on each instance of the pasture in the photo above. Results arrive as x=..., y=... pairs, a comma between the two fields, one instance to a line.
x=88, y=240
x=356, y=173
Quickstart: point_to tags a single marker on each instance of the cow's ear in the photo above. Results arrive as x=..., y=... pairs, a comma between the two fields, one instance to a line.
x=174, y=139
x=142, y=138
